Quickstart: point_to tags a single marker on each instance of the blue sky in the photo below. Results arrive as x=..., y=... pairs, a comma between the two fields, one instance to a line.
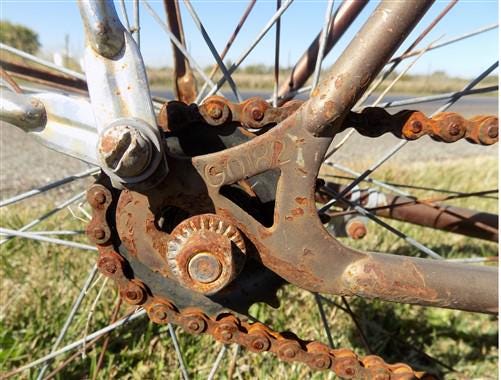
x=300, y=23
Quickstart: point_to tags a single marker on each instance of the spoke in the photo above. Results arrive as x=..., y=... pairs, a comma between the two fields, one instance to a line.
x=375, y=103
x=100, y=360
x=92, y=310
x=469, y=86
x=455, y=193
x=11, y=83
x=213, y=50
x=277, y=58
x=433, y=98
x=475, y=260
x=55, y=210
x=445, y=43
x=401, y=144
x=390, y=335
x=219, y=358
x=346, y=14
x=27, y=235
x=71, y=315
x=423, y=34
x=137, y=24
x=371, y=180
x=230, y=41
x=49, y=186
x=179, y=354
x=58, y=233
x=357, y=325
x=178, y=44
x=325, y=323
x=323, y=42
x=402, y=73
x=233, y=361
x=244, y=55
x=79, y=342
x=124, y=14
x=42, y=62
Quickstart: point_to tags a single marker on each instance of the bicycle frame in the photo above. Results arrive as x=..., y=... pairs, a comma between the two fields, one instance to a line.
x=297, y=247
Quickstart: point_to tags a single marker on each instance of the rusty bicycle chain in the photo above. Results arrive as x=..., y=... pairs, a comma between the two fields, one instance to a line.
x=227, y=327
x=255, y=114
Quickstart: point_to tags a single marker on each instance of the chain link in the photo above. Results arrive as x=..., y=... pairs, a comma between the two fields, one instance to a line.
x=255, y=114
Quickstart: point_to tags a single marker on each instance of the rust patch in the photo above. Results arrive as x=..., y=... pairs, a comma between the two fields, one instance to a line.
x=404, y=282
x=330, y=109
x=303, y=201
x=298, y=211
x=339, y=81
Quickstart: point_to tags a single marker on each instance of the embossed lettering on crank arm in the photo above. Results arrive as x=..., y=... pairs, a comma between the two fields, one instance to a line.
x=62, y=123
x=129, y=148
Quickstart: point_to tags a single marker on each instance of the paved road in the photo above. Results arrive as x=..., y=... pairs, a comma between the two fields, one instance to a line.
x=25, y=164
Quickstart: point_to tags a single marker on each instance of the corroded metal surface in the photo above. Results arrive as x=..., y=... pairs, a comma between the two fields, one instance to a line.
x=137, y=286
x=446, y=127
x=184, y=79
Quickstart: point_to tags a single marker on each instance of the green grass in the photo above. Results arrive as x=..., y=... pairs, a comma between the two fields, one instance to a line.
x=40, y=282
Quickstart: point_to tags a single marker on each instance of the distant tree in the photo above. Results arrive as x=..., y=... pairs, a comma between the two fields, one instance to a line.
x=19, y=36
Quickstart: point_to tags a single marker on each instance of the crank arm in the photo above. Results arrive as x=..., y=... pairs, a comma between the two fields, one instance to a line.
x=129, y=148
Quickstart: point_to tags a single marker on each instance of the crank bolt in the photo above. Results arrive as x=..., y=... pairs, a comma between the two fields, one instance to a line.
x=204, y=268
x=124, y=150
